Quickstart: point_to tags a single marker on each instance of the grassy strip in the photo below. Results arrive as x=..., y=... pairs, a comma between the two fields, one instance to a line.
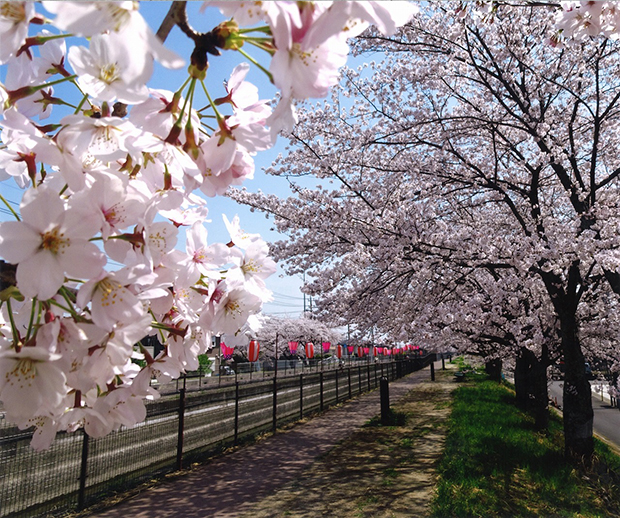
x=495, y=464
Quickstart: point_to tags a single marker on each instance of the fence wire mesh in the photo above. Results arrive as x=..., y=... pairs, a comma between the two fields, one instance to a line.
x=78, y=471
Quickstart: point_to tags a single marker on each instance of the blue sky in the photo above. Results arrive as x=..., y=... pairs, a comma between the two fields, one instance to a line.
x=288, y=300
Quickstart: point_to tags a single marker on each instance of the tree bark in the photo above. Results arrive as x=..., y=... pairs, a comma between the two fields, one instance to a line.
x=531, y=387
x=538, y=403
x=577, y=405
x=494, y=369
x=521, y=390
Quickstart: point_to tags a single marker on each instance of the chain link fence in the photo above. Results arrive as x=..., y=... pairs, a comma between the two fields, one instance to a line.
x=193, y=422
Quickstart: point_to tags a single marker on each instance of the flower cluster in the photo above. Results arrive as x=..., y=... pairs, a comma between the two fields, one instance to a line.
x=580, y=20
x=92, y=267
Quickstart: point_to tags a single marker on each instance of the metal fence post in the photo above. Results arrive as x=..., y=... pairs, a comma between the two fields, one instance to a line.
x=350, y=393
x=336, y=385
x=368, y=376
x=83, y=472
x=385, y=401
x=301, y=396
x=321, y=385
x=275, y=404
x=236, y=412
x=359, y=377
x=181, y=428
x=432, y=371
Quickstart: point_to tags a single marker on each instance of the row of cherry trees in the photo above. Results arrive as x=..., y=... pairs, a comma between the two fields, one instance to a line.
x=466, y=192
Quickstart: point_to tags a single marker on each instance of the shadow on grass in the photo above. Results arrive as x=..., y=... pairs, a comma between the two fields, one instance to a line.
x=495, y=464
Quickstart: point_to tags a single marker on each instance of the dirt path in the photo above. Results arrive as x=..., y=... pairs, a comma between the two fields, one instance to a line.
x=370, y=470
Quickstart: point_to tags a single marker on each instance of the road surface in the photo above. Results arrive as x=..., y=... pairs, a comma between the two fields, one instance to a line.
x=606, y=417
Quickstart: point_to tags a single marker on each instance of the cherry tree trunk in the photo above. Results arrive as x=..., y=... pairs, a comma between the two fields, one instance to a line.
x=521, y=372
x=577, y=405
x=531, y=387
x=539, y=395
x=494, y=369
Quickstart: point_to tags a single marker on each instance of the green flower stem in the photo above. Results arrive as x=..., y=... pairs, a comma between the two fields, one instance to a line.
x=161, y=332
x=31, y=321
x=10, y=208
x=250, y=58
x=16, y=337
x=67, y=295
x=180, y=90
x=25, y=91
x=189, y=95
x=68, y=310
x=265, y=29
x=251, y=39
x=218, y=115
x=79, y=106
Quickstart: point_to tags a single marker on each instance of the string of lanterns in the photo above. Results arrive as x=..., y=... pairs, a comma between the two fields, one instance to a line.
x=254, y=349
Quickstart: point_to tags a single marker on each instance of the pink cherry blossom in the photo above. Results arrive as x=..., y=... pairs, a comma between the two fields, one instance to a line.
x=30, y=383
x=101, y=70
x=231, y=309
x=125, y=179
x=14, y=20
x=105, y=138
x=23, y=72
x=111, y=301
x=203, y=259
x=25, y=147
x=48, y=243
x=138, y=40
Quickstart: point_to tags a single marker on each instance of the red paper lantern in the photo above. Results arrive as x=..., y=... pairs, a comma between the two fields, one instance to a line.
x=253, y=350
x=350, y=349
x=379, y=350
x=339, y=351
x=309, y=350
x=326, y=346
x=360, y=351
x=227, y=352
x=292, y=346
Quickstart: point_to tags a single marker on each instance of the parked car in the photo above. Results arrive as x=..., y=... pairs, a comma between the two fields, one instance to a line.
x=225, y=370
x=332, y=361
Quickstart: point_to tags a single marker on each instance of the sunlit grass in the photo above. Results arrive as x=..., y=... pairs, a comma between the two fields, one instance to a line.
x=496, y=464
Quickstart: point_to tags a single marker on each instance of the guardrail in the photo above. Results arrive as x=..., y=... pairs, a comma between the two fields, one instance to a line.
x=179, y=429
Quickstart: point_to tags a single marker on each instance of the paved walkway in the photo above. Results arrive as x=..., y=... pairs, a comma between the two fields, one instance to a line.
x=231, y=484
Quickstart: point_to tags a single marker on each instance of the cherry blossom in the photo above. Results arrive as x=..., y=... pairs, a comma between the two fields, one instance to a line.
x=114, y=171
x=111, y=301
x=14, y=20
x=48, y=243
x=30, y=383
x=101, y=69
x=123, y=18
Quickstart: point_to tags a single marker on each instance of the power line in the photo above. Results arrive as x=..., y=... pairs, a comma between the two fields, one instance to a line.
x=282, y=295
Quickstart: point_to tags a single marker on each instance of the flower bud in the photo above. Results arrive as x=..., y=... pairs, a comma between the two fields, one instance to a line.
x=227, y=35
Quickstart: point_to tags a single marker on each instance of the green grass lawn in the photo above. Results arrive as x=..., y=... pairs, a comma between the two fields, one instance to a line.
x=496, y=464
